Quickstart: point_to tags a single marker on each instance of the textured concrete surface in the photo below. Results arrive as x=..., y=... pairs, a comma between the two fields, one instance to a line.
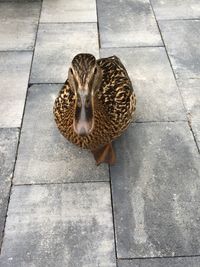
x=69, y=11
x=176, y=9
x=182, y=43
x=18, y=1
x=163, y=262
x=153, y=81
x=156, y=187
x=18, y=25
x=190, y=90
x=59, y=225
x=60, y=209
x=14, y=75
x=8, y=145
x=127, y=23
x=56, y=46
x=48, y=157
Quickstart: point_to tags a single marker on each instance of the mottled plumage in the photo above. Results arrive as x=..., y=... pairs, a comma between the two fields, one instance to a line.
x=112, y=107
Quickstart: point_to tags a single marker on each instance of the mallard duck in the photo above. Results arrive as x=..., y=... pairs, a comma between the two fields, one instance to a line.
x=95, y=105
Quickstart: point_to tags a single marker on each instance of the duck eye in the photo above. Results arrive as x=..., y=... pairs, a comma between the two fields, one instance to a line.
x=71, y=71
x=95, y=70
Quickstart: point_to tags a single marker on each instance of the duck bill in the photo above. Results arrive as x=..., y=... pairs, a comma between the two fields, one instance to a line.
x=83, y=121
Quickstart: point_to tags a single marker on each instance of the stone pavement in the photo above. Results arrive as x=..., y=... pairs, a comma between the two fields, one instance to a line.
x=57, y=208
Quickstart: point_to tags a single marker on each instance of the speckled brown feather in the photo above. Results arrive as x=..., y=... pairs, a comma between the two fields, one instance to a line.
x=114, y=106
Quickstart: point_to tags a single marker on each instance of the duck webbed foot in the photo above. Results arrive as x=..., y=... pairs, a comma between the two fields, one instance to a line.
x=105, y=154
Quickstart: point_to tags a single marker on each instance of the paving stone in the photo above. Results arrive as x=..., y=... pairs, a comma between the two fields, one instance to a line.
x=69, y=11
x=45, y=156
x=190, y=90
x=59, y=225
x=20, y=1
x=14, y=75
x=127, y=23
x=18, y=24
x=156, y=185
x=8, y=146
x=56, y=45
x=182, y=43
x=176, y=9
x=157, y=94
x=163, y=262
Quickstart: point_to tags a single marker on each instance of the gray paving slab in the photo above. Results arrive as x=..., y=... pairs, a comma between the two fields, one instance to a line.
x=163, y=262
x=158, y=97
x=45, y=156
x=176, y=9
x=14, y=75
x=181, y=38
x=59, y=225
x=127, y=23
x=156, y=184
x=190, y=90
x=69, y=11
x=18, y=24
x=56, y=45
x=20, y=1
x=8, y=146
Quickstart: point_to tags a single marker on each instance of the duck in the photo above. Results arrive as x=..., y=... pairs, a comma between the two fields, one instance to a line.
x=95, y=105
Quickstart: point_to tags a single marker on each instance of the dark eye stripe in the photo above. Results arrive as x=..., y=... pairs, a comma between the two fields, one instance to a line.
x=77, y=113
x=88, y=113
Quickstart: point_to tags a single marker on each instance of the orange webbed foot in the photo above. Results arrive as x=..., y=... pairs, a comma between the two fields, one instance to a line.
x=104, y=154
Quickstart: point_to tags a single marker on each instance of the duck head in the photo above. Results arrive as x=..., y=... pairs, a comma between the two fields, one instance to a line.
x=84, y=77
